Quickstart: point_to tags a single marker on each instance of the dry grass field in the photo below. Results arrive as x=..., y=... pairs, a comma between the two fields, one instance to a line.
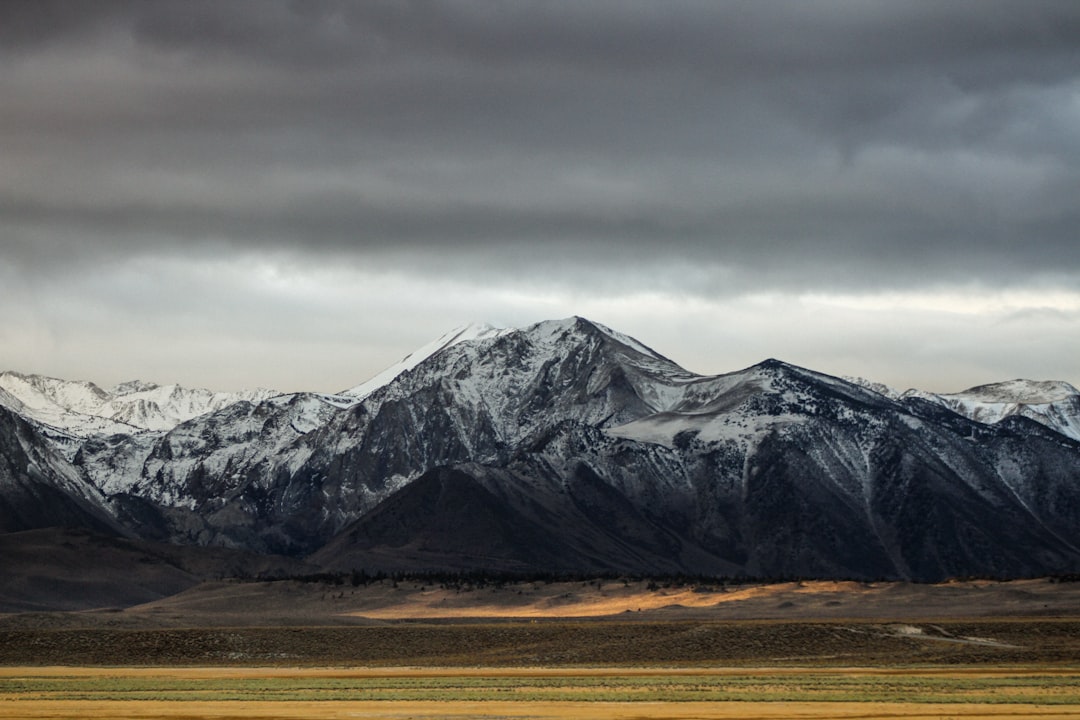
x=221, y=693
x=234, y=602
x=600, y=649
x=697, y=643
x=502, y=710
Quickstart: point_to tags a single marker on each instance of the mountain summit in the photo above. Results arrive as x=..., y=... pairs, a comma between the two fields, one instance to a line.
x=568, y=446
x=474, y=331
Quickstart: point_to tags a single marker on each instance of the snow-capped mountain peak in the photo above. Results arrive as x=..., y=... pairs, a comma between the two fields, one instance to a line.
x=878, y=387
x=559, y=328
x=83, y=409
x=1054, y=403
x=162, y=407
x=43, y=393
x=132, y=386
x=569, y=438
x=1027, y=392
x=465, y=333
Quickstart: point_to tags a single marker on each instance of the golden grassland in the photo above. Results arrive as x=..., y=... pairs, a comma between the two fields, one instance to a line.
x=562, y=600
x=395, y=650
x=425, y=599
x=234, y=692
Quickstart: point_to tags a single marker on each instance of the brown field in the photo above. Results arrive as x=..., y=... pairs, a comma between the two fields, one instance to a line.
x=543, y=643
x=600, y=649
x=254, y=603
x=526, y=711
x=779, y=693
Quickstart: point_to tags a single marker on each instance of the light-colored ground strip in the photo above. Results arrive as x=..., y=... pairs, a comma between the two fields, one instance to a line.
x=630, y=599
x=614, y=598
x=26, y=707
x=217, y=673
x=571, y=601
x=139, y=710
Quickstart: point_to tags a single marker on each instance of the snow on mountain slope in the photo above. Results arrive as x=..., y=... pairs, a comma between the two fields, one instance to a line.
x=542, y=333
x=39, y=487
x=773, y=470
x=1027, y=392
x=65, y=410
x=1054, y=403
x=776, y=468
x=38, y=392
x=475, y=331
x=519, y=381
x=82, y=409
x=737, y=407
x=471, y=399
x=11, y=402
x=880, y=388
x=161, y=407
x=221, y=445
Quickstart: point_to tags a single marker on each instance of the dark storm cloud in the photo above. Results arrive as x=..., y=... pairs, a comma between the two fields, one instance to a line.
x=794, y=144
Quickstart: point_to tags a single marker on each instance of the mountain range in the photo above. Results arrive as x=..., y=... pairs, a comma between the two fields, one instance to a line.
x=568, y=447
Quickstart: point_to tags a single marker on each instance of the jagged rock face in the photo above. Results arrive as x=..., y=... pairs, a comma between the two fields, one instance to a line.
x=39, y=488
x=881, y=496
x=1053, y=404
x=567, y=446
x=211, y=480
x=76, y=410
x=233, y=477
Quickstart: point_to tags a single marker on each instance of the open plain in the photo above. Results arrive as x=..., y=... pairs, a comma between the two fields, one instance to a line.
x=584, y=649
x=536, y=693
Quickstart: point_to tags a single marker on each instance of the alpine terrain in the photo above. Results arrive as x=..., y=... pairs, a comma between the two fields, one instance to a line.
x=564, y=447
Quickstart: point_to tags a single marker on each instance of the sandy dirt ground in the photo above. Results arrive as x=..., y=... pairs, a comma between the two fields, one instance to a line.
x=772, y=601
x=577, y=600
x=625, y=600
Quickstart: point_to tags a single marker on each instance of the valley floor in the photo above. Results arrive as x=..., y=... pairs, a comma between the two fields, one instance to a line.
x=691, y=643
x=588, y=649
x=599, y=622
x=223, y=693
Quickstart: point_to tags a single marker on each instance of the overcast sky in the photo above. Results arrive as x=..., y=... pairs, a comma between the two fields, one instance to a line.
x=297, y=194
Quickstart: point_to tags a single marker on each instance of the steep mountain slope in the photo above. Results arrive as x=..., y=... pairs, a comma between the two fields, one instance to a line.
x=516, y=519
x=474, y=400
x=1054, y=404
x=39, y=488
x=569, y=446
x=76, y=569
x=479, y=402
x=206, y=480
x=783, y=471
x=789, y=472
x=162, y=407
x=476, y=331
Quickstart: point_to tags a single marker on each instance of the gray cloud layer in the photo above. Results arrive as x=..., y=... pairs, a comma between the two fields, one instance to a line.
x=820, y=146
